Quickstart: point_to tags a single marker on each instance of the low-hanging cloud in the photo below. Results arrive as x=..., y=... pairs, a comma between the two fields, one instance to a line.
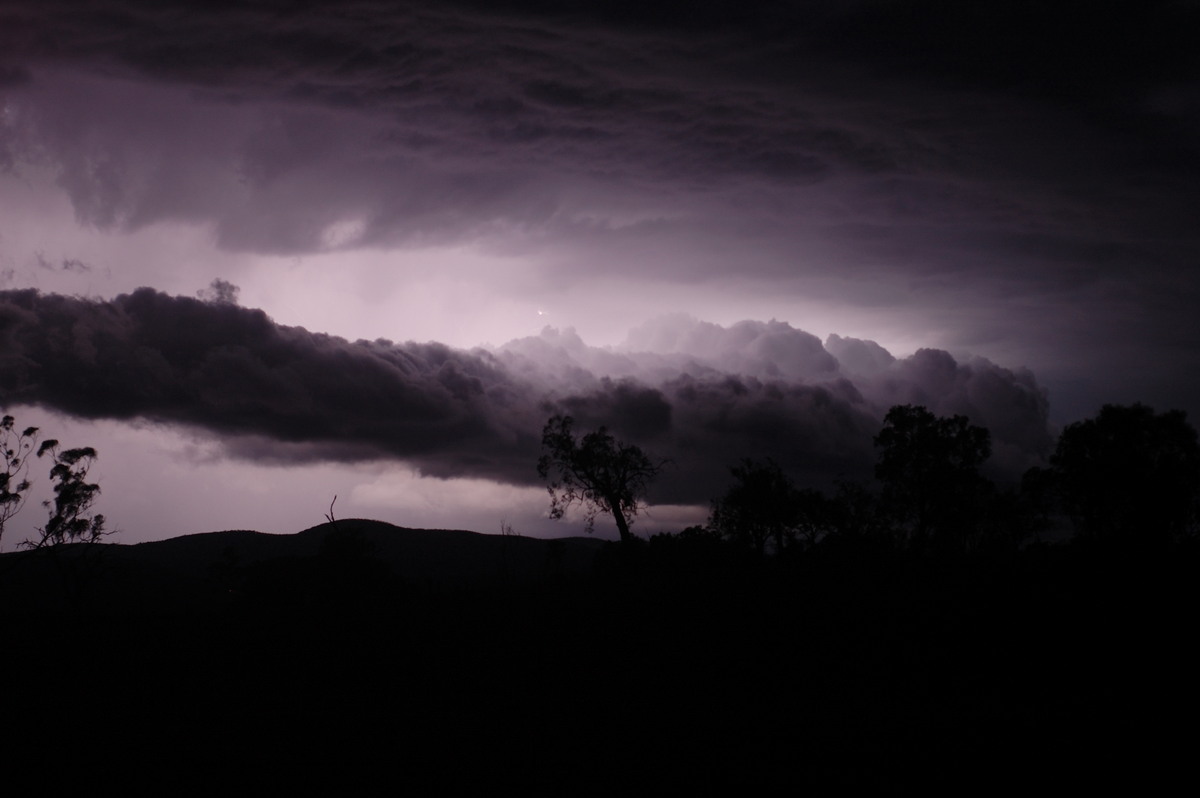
x=280, y=394
x=235, y=372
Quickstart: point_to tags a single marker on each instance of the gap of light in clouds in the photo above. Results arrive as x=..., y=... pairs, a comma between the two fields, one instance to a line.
x=463, y=295
x=158, y=482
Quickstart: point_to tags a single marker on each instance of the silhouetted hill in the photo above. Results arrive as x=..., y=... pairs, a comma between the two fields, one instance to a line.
x=459, y=659
x=209, y=570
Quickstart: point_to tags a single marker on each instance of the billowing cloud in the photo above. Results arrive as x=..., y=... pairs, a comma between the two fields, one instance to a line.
x=233, y=371
x=279, y=394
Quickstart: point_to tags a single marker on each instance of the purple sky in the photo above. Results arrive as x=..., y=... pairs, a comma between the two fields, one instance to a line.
x=750, y=227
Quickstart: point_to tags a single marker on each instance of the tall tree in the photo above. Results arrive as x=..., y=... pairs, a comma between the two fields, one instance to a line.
x=929, y=468
x=597, y=471
x=764, y=506
x=1130, y=475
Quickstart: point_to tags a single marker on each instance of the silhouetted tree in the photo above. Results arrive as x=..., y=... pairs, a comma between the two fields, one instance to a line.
x=69, y=520
x=764, y=506
x=856, y=519
x=597, y=471
x=14, y=468
x=929, y=468
x=819, y=517
x=1129, y=475
x=1037, y=503
x=758, y=508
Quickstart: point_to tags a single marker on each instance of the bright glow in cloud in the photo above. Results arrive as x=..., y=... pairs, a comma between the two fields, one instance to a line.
x=344, y=233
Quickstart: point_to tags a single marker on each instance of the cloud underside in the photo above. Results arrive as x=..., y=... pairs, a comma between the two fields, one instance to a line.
x=1023, y=176
x=698, y=395
x=861, y=136
x=1012, y=179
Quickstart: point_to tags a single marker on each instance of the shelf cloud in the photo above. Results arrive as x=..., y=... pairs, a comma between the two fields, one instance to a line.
x=275, y=393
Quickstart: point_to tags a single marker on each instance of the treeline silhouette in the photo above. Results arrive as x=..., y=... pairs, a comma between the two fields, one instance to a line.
x=1127, y=481
x=930, y=629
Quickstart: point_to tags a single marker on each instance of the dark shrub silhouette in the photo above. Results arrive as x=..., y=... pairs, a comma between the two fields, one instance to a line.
x=1129, y=476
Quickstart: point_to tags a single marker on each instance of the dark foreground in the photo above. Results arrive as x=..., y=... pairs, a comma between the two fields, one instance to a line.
x=590, y=668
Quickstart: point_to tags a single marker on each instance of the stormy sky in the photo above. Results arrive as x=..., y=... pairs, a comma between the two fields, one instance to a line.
x=259, y=254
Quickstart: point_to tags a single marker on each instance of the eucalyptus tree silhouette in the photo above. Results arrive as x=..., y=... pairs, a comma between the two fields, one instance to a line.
x=15, y=448
x=597, y=471
x=69, y=520
x=1130, y=475
x=71, y=529
x=929, y=468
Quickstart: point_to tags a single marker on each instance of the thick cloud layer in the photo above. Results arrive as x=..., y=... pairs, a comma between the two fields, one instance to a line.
x=235, y=372
x=1010, y=179
x=281, y=394
x=399, y=121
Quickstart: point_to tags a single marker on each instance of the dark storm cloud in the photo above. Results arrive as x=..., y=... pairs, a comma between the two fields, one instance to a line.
x=827, y=428
x=235, y=372
x=1061, y=49
x=766, y=388
x=281, y=394
x=1009, y=403
x=429, y=124
x=1016, y=176
x=743, y=89
x=877, y=135
x=626, y=407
